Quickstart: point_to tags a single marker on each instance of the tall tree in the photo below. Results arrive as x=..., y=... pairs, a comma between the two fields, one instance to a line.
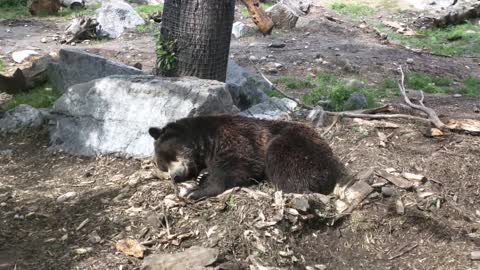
x=195, y=38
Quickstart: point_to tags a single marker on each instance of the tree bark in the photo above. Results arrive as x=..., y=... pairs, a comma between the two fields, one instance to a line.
x=202, y=30
x=259, y=17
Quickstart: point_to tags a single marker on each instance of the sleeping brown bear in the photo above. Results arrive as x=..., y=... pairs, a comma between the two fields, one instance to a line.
x=226, y=151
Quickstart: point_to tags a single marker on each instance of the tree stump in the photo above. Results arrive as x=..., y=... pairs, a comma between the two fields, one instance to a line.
x=44, y=7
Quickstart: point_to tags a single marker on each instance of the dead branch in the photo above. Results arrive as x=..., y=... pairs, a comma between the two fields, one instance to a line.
x=81, y=28
x=335, y=120
x=432, y=115
x=259, y=16
x=404, y=251
x=378, y=116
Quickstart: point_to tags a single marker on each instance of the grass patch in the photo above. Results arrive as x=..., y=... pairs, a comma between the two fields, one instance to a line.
x=69, y=13
x=294, y=83
x=451, y=40
x=471, y=86
x=428, y=83
x=41, y=97
x=326, y=87
x=355, y=10
x=148, y=9
x=8, y=13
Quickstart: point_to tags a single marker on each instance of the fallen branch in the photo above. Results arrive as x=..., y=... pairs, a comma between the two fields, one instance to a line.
x=81, y=28
x=405, y=251
x=432, y=115
x=378, y=116
x=331, y=126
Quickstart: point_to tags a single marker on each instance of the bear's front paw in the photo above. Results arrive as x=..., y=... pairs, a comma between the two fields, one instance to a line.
x=202, y=177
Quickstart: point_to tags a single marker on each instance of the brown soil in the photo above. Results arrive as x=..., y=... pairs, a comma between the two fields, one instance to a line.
x=121, y=200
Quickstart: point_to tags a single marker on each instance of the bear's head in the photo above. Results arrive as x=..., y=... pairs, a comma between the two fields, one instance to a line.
x=174, y=152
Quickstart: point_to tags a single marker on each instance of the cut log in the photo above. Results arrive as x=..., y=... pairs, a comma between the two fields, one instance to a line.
x=259, y=17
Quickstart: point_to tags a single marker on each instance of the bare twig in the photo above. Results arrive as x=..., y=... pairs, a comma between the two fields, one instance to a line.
x=432, y=115
x=405, y=251
x=299, y=102
x=335, y=120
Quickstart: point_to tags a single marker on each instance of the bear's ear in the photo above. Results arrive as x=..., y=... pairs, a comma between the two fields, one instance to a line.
x=155, y=132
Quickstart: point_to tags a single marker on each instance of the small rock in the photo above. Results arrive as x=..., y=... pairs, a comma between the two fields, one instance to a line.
x=81, y=251
x=277, y=45
x=457, y=95
x=300, y=203
x=410, y=61
x=43, y=40
x=240, y=30
x=66, y=196
x=317, y=116
x=475, y=255
x=388, y=191
x=21, y=56
x=253, y=58
x=320, y=267
x=356, y=101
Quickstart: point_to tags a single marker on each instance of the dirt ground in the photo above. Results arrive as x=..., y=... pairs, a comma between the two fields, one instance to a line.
x=118, y=198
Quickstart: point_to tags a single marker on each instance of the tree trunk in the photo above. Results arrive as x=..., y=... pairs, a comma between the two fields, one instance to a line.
x=201, y=32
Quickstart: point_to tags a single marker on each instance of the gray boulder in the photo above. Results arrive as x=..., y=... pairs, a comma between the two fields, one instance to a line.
x=283, y=17
x=272, y=109
x=239, y=30
x=76, y=66
x=356, y=101
x=246, y=89
x=115, y=16
x=113, y=114
x=23, y=116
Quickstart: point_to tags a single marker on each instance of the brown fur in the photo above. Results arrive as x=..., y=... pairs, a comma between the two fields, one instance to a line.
x=238, y=151
x=44, y=7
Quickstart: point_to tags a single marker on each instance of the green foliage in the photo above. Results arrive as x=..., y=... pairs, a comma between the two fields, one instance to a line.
x=355, y=10
x=13, y=3
x=337, y=91
x=451, y=40
x=273, y=93
x=41, y=97
x=428, y=83
x=166, y=54
x=294, y=83
x=13, y=12
x=471, y=86
x=149, y=9
x=69, y=13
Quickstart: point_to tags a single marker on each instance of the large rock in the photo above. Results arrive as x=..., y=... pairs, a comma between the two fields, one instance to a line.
x=23, y=116
x=356, y=101
x=272, y=109
x=115, y=16
x=282, y=16
x=246, y=90
x=77, y=66
x=113, y=114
